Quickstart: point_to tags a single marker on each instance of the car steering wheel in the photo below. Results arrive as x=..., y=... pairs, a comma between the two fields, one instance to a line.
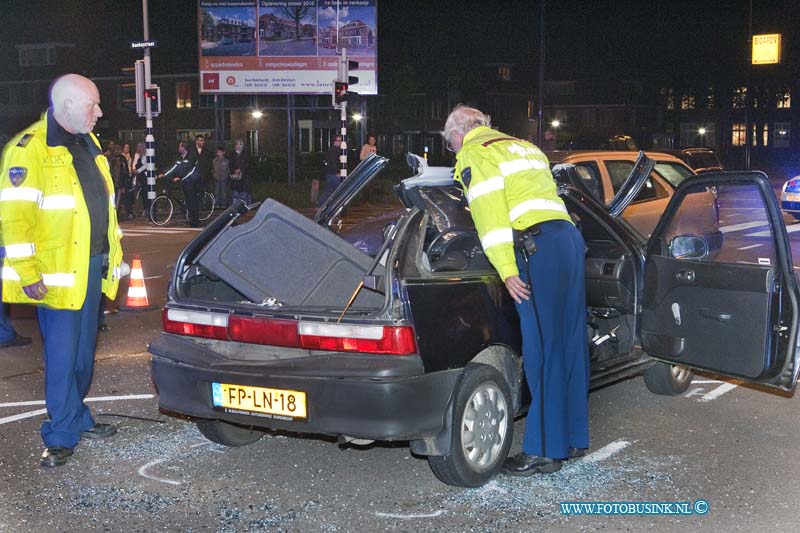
x=453, y=250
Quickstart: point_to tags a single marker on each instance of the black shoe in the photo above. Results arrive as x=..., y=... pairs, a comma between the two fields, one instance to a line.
x=575, y=453
x=100, y=431
x=523, y=464
x=55, y=456
x=19, y=340
x=103, y=327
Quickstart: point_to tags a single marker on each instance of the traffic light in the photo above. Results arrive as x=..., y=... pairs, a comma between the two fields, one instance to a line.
x=339, y=92
x=351, y=65
x=132, y=94
x=153, y=94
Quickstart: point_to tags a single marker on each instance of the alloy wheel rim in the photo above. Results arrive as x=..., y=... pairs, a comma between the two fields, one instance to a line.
x=484, y=426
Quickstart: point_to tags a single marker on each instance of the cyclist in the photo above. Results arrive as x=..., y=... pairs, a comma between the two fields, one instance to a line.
x=185, y=171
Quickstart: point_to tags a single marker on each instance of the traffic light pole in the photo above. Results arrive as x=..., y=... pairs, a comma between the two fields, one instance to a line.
x=149, y=139
x=343, y=115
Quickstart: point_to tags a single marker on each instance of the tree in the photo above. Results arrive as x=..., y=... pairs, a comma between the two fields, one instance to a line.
x=296, y=14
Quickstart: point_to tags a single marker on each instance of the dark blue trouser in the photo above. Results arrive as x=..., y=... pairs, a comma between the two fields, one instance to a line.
x=70, y=338
x=554, y=347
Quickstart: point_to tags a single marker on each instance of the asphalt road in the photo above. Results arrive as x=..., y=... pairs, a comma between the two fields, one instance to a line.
x=733, y=446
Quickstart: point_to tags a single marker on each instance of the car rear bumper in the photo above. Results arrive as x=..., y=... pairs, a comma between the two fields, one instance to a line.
x=791, y=207
x=383, y=406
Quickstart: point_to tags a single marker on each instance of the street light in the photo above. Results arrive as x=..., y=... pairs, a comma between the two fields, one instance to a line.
x=257, y=114
x=555, y=123
x=357, y=117
x=701, y=131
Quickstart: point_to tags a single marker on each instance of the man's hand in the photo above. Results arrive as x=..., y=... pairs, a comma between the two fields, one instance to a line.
x=35, y=291
x=518, y=289
x=175, y=180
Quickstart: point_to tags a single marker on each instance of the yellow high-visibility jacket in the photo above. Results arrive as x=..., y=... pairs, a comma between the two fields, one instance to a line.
x=508, y=184
x=45, y=222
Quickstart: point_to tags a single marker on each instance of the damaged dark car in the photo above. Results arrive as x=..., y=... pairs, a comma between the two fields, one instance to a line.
x=399, y=329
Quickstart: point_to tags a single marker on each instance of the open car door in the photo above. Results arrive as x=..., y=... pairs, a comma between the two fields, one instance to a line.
x=726, y=300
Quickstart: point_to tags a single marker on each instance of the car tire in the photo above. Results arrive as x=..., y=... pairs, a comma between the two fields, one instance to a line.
x=228, y=434
x=483, y=427
x=667, y=379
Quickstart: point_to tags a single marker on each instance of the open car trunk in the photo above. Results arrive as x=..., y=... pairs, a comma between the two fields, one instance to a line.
x=281, y=260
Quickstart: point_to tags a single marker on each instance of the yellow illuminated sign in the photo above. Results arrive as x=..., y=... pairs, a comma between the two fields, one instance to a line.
x=767, y=49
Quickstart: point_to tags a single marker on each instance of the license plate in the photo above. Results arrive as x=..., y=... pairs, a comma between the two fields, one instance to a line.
x=792, y=197
x=259, y=401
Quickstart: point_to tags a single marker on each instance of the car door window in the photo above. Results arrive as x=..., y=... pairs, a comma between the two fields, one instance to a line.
x=619, y=171
x=590, y=173
x=742, y=234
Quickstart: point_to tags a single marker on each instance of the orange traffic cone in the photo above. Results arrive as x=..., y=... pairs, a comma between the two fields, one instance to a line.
x=137, y=292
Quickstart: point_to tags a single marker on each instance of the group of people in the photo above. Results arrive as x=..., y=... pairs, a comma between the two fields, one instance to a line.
x=194, y=167
x=128, y=173
x=56, y=194
x=333, y=162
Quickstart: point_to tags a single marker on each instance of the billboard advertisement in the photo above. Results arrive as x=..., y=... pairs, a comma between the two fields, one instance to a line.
x=285, y=47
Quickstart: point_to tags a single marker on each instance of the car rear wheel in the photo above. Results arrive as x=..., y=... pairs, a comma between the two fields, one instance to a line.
x=483, y=426
x=228, y=434
x=667, y=379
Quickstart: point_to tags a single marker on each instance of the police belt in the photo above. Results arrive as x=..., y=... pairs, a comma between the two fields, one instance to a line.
x=521, y=234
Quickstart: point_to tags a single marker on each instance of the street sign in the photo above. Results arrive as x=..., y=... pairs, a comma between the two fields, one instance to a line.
x=144, y=44
x=767, y=49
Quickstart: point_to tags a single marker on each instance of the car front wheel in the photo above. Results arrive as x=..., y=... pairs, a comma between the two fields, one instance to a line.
x=483, y=426
x=228, y=434
x=667, y=379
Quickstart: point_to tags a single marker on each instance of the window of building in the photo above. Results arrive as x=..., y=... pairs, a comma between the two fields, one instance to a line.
x=183, y=95
x=711, y=98
x=783, y=99
x=131, y=136
x=737, y=134
x=606, y=118
x=688, y=101
x=37, y=56
x=5, y=95
x=23, y=95
x=436, y=109
x=206, y=101
x=188, y=136
x=503, y=73
x=739, y=98
x=590, y=117
x=398, y=147
x=559, y=88
x=668, y=98
x=252, y=141
x=688, y=134
x=765, y=135
x=781, y=134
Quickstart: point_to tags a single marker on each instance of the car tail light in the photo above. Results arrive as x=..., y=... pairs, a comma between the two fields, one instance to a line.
x=264, y=331
x=390, y=340
x=195, y=323
x=394, y=340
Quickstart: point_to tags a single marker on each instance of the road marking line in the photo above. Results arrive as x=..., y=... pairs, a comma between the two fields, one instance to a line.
x=768, y=233
x=143, y=473
x=751, y=246
x=93, y=399
x=742, y=226
x=697, y=391
x=698, y=381
x=719, y=391
x=153, y=277
x=22, y=416
x=440, y=512
x=606, y=451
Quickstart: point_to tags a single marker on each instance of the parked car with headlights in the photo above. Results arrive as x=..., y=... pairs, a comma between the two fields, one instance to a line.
x=275, y=321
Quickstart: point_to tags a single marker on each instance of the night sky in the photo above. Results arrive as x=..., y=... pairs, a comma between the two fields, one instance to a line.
x=624, y=39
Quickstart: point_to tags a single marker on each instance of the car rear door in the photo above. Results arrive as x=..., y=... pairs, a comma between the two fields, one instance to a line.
x=726, y=300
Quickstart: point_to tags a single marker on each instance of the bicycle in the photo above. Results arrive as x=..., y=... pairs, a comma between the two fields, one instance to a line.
x=163, y=207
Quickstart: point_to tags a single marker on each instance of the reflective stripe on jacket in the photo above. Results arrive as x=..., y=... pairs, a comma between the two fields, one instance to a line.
x=46, y=227
x=508, y=185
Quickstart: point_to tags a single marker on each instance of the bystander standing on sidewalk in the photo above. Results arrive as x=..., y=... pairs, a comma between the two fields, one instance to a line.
x=240, y=173
x=220, y=169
